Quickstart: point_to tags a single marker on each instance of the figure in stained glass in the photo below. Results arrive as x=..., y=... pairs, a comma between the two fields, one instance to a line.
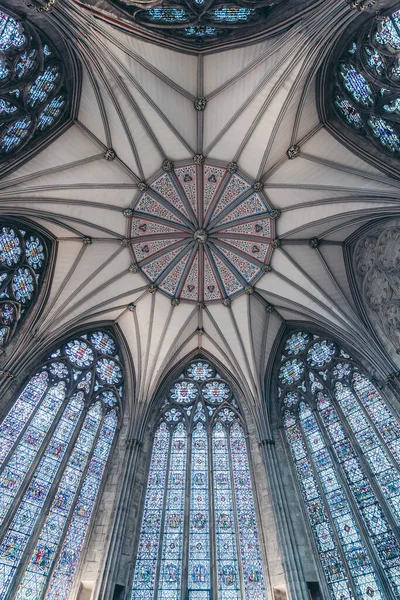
x=218, y=448
x=49, y=427
x=337, y=442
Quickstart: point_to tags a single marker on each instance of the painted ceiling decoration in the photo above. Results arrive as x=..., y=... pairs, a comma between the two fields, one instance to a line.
x=202, y=232
x=34, y=95
x=363, y=85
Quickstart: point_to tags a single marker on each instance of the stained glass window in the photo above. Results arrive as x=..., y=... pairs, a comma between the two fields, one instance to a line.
x=23, y=262
x=366, y=92
x=199, y=21
x=199, y=489
x=344, y=441
x=55, y=442
x=33, y=92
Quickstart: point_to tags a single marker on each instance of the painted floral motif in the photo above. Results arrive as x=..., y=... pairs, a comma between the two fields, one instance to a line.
x=208, y=259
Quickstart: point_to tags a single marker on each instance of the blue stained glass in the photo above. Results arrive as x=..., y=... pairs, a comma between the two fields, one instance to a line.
x=149, y=542
x=79, y=353
x=297, y=342
x=11, y=34
x=109, y=398
x=385, y=133
x=7, y=108
x=43, y=85
x=199, y=574
x=10, y=247
x=184, y=392
x=226, y=551
x=394, y=106
x=14, y=134
x=109, y=371
x=320, y=353
x=68, y=560
x=356, y=84
x=35, y=252
x=25, y=63
x=168, y=15
x=200, y=371
x=253, y=577
x=4, y=71
x=374, y=60
x=35, y=496
x=233, y=14
x=215, y=392
x=37, y=570
x=200, y=31
x=291, y=371
x=23, y=285
x=51, y=112
x=103, y=342
x=388, y=29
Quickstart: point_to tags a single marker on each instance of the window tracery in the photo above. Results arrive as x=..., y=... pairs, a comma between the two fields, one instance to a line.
x=365, y=94
x=199, y=488
x=33, y=90
x=24, y=257
x=55, y=442
x=344, y=442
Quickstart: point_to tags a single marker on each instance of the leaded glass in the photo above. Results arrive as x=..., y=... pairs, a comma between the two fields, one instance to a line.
x=291, y=371
x=351, y=436
x=23, y=260
x=49, y=429
x=365, y=92
x=32, y=85
x=199, y=449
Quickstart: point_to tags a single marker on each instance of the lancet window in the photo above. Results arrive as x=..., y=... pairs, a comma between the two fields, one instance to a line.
x=33, y=94
x=366, y=92
x=23, y=263
x=54, y=445
x=345, y=444
x=199, y=536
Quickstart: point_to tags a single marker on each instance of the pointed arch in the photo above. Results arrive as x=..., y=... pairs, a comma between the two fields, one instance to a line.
x=342, y=438
x=27, y=254
x=39, y=85
x=199, y=526
x=55, y=443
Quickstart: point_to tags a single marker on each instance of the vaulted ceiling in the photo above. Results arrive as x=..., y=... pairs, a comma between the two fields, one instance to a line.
x=138, y=99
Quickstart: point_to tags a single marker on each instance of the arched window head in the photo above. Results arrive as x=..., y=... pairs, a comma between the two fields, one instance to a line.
x=34, y=94
x=345, y=446
x=54, y=446
x=199, y=454
x=362, y=92
x=24, y=258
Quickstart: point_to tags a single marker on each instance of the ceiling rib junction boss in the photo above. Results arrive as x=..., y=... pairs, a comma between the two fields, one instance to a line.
x=202, y=232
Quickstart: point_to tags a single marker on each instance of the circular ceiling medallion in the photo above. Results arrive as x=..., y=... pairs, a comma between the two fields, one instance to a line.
x=202, y=233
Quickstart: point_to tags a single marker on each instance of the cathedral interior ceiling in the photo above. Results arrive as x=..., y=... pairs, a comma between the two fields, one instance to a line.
x=151, y=121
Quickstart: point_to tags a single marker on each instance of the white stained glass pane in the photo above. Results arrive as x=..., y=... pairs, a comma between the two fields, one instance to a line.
x=170, y=578
x=199, y=575
x=253, y=577
x=147, y=556
x=68, y=560
x=225, y=530
x=43, y=555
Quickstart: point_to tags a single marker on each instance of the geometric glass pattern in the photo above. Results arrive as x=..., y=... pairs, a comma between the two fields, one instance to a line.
x=200, y=21
x=199, y=490
x=23, y=262
x=345, y=445
x=33, y=97
x=201, y=233
x=55, y=442
x=366, y=94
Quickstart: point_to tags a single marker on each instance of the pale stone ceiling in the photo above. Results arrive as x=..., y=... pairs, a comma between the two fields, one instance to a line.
x=138, y=98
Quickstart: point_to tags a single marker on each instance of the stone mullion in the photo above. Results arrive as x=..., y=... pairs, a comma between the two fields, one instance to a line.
x=27, y=479
x=364, y=533
x=297, y=585
x=186, y=518
x=71, y=511
x=328, y=513
x=43, y=511
x=383, y=503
